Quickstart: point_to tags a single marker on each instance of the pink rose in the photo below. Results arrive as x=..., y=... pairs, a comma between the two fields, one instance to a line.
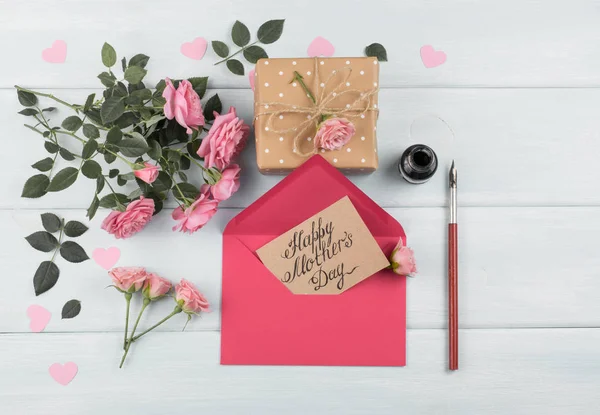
x=125, y=224
x=183, y=104
x=402, y=260
x=155, y=286
x=228, y=184
x=198, y=214
x=128, y=279
x=334, y=133
x=190, y=299
x=225, y=140
x=148, y=174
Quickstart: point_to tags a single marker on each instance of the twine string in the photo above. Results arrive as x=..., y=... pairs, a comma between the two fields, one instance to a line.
x=321, y=108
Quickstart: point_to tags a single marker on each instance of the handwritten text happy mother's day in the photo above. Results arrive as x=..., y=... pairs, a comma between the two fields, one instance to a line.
x=326, y=254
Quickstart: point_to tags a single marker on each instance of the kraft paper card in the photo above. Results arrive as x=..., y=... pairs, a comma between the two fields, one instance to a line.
x=328, y=253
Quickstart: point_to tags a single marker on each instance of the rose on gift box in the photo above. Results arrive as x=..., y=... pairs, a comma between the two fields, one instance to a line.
x=320, y=105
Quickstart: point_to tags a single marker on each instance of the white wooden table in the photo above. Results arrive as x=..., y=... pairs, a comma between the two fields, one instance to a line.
x=521, y=91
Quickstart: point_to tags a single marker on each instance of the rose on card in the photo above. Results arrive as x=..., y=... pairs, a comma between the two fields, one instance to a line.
x=328, y=253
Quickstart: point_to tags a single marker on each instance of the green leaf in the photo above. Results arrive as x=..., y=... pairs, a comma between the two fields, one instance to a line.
x=160, y=87
x=124, y=64
x=254, y=53
x=42, y=241
x=182, y=175
x=44, y=164
x=163, y=182
x=199, y=84
x=112, y=109
x=109, y=157
x=94, y=115
x=28, y=112
x=27, y=99
x=63, y=179
x=173, y=156
x=192, y=148
x=66, y=154
x=114, y=135
x=121, y=181
x=109, y=55
x=89, y=102
x=127, y=119
x=240, y=34
x=270, y=31
x=128, y=176
x=213, y=104
x=135, y=74
x=49, y=109
x=143, y=94
x=51, y=147
x=220, y=48
x=45, y=277
x=140, y=60
x=91, y=169
x=51, y=222
x=91, y=131
x=89, y=149
x=133, y=146
x=376, y=50
x=235, y=66
x=73, y=252
x=91, y=212
x=174, y=131
x=189, y=191
x=155, y=151
x=35, y=186
x=107, y=79
x=113, y=200
x=135, y=194
x=72, y=123
x=113, y=173
x=99, y=184
x=71, y=309
x=73, y=229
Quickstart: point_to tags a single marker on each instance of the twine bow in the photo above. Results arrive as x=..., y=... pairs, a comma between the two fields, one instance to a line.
x=320, y=109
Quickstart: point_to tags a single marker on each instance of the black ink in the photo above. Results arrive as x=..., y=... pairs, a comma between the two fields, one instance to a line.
x=321, y=278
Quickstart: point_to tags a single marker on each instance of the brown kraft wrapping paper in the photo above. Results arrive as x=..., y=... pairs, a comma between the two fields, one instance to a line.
x=346, y=87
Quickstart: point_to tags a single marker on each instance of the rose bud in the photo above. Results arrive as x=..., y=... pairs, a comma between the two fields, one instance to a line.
x=402, y=260
x=128, y=279
x=190, y=299
x=155, y=287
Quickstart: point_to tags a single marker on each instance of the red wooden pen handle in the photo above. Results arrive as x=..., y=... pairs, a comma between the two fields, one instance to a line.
x=453, y=294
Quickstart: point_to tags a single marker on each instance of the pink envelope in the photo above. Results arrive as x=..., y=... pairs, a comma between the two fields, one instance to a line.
x=263, y=323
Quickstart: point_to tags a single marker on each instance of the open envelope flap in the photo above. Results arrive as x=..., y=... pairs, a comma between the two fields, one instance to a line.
x=307, y=190
x=264, y=323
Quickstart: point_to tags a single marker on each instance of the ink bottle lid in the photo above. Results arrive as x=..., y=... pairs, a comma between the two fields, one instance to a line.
x=418, y=163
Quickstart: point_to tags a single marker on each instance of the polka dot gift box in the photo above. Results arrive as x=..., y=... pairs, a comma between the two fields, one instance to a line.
x=293, y=97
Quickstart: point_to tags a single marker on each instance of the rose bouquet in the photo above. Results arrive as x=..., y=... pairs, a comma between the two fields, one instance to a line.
x=157, y=135
x=132, y=280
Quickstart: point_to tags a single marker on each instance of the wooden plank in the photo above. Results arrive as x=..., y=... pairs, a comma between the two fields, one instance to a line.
x=517, y=147
x=502, y=372
x=519, y=267
x=513, y=43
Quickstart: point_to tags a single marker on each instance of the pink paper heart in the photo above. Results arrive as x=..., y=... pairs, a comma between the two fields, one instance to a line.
x=251, y=78
x=320, y=47
x=431, y=57
x=39, y=318
x=63, y=374
x=195, y=49
x=106, y=258
x=57, y=53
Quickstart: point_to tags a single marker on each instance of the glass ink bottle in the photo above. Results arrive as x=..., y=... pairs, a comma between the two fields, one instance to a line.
x=418, y=163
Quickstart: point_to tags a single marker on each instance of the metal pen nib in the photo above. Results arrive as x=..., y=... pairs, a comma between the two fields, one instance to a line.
x=452, y=183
